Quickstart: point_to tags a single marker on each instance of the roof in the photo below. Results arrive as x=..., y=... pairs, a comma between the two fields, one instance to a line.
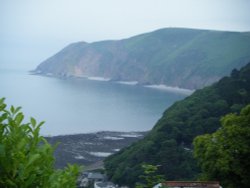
x=198, y=184
x=105, y=184
x=95, y=176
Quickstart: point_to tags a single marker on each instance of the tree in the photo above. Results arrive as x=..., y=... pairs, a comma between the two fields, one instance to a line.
x=26, y=158
x=150, y=178
x=224, y=155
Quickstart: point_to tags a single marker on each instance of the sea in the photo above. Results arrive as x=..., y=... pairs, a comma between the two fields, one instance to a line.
x=81, y=105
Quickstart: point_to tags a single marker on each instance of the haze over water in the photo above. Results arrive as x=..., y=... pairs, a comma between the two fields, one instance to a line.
x=81, y=106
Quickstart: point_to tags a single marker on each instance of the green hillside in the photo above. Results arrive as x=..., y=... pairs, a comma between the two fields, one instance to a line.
x=169, y=144
x=186, y=58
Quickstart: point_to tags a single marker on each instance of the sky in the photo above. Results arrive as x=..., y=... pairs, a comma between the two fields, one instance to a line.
x=33, y=30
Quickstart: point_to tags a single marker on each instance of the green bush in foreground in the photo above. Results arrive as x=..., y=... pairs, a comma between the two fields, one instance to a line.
x=26, y=158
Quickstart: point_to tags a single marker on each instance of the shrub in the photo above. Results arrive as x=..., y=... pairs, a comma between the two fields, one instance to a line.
x=26, y=158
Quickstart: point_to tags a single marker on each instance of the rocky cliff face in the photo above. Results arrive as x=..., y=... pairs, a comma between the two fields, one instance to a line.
x=184, y=58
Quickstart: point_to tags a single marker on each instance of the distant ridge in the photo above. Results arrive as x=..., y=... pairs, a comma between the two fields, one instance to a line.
x=177, y=57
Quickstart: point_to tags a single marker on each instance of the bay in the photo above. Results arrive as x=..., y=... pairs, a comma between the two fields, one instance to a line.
x=72, y=106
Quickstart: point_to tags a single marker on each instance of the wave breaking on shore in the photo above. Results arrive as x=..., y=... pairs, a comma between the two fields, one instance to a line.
x=171, y=89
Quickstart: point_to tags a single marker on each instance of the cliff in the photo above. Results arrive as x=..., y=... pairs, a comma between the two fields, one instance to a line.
x=185, y=58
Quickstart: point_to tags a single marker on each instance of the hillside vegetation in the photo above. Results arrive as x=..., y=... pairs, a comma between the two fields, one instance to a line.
x=186, y=58
x=224, y=155
x=169, y=144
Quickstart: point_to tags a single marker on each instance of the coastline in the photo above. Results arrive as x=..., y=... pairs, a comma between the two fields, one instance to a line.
x=96, y=78
x=90, y=148
x=171, y=89
x=132, y=83
x=162, y=87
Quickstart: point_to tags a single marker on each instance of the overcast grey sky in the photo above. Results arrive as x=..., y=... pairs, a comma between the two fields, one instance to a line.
x=32, y=30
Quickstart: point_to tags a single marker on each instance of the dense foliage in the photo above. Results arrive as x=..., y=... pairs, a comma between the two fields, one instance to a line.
x=169, y=144
x=150, y=177
x=187, y=58
x=26, y=158
x=224, y=155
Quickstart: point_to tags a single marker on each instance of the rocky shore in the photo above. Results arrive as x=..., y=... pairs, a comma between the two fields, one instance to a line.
x=91, y=148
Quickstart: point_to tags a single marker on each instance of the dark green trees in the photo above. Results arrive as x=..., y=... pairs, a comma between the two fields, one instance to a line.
x=224, y=155
x=150, y=178
x=170, y=141
x=26, y=159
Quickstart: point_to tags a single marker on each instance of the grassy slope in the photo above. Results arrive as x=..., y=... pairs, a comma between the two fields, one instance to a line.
x=178, y=57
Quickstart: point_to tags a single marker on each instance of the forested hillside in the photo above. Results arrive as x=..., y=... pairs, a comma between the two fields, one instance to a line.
x=186, y=58
x=224, y=155
x=169, y=144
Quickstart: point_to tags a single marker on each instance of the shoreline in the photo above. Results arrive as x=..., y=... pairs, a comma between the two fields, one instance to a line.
x=132, y=134
x=132, y=83
x=96, y=78
x=171, y=89
x=162, y=87
x=91, y=148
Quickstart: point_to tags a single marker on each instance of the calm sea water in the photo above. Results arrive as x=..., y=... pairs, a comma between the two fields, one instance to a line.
x=81, y=106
